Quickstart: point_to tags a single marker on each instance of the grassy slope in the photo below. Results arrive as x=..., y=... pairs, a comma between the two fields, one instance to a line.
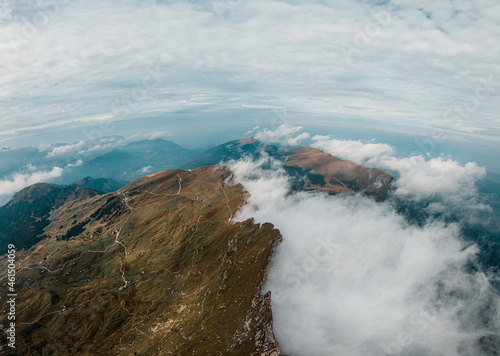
x=193, y=279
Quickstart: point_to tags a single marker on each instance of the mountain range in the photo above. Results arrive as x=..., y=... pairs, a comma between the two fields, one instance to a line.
x=157, y=266
x=125, y=161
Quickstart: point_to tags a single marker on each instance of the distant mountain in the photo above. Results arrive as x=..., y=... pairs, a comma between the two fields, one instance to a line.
x=26, y=215
x=227, y=151
x=12, y=160
x=134, y=160
x=155, y=150
x=118, y=160
x=116, y=164
x=311, y=168
x=127, y=162
x=103, y=185
x=330, y=174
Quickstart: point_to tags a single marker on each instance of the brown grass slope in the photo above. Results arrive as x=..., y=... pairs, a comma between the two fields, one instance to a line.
x=338, y=176
x=156, y=270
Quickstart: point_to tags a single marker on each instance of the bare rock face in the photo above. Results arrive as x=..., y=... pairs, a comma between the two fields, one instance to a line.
x=155, y=268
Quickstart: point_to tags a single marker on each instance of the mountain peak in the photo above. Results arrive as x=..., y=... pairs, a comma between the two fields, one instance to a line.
x=338, y=176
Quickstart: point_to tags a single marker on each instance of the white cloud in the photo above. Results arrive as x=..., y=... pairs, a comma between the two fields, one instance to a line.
x=146, y=169
x=66, y=149
x=85, y=147
x=164, y=134
x=97, y=148
x=30, y=167
x=160, y=134
x=352, y=277
x=44, y=147
x=78, y=163
x=429, y=57
x=355, y=151
x=20, y=181
x=255, y=129
x=284, y=134
x=423, y=179
x=419, y=178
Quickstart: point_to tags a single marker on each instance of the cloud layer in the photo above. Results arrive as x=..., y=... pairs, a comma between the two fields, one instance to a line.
x=20, y=181
x=285, y=134
x=402, y=64
x=419, y=177
x=355, y=151
x=352, y=277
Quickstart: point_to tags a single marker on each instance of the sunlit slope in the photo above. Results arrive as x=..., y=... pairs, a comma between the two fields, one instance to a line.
x=155, y=268
x=333, y=175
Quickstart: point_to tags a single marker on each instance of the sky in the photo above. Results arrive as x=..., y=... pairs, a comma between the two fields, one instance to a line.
x=72, y=69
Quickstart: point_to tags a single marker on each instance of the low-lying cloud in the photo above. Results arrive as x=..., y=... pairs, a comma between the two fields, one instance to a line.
x=355, y=151
x=83, y=147
x=284, y=134
x=23, y=180
x=67, y=149
x=419, y=177
x=353, y=277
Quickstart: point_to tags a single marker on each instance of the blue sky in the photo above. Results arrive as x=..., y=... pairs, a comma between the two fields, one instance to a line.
x=210, y=71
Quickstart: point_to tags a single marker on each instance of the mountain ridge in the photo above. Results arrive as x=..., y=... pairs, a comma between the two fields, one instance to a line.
x=309, y=169
x=157, y=266
x=158, y=263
